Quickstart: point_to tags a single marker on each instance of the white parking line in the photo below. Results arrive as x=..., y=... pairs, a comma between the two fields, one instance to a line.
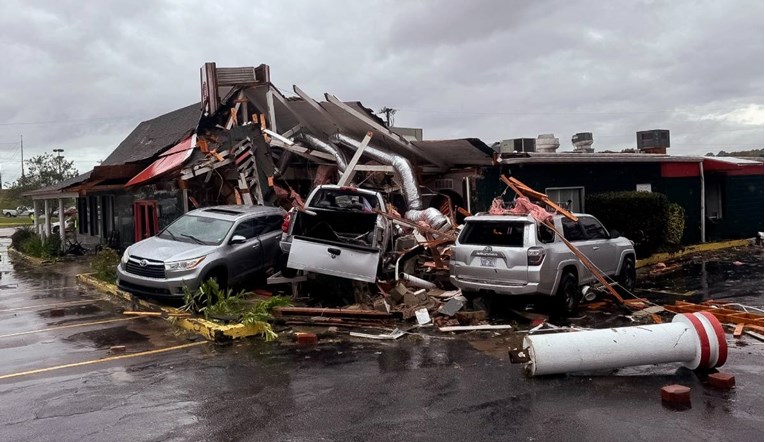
x=97, y=361
x=41, y=306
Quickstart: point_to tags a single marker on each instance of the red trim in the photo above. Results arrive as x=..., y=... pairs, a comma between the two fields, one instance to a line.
x=713, y=165
x=703, y=339
x=679, y=170
x=722, y=351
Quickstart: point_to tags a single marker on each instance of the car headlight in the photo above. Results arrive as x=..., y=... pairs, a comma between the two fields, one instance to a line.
x=125, y=256
x=180, y=266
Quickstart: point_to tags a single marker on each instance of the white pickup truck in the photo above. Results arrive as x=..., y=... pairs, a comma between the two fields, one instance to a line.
x=338, y=233
x=19, y=211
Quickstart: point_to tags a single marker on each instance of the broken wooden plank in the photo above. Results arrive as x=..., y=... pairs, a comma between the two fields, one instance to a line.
x=474, y=327
x=350, y=170
x=739, y=330
x=395, y=334
x=333, y=312
x=156, y=314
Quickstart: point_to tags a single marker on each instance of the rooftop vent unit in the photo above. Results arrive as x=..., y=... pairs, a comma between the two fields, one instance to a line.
x=547, y=143
x=582, y=142
x=653, y=141
x=515, y=145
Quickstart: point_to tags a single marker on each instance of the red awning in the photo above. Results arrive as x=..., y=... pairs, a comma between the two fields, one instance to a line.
x=168, y=161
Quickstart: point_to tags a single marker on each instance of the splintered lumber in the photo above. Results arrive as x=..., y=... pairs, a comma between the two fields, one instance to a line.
x=523, y=190
x=739, y=330
x=156, y=314
x=474, y=327
x=751, y=321
x=415, y=225
x=587, y=263
x=334, y=312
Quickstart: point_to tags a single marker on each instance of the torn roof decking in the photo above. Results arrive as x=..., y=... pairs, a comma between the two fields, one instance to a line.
x=153, y=136
x=325, y=118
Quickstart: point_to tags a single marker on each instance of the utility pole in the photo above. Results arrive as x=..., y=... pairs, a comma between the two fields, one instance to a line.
x=22, y=156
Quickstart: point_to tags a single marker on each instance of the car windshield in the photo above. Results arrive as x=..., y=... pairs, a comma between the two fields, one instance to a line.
x=197, y=229
x=344, y=200
x=493, y=233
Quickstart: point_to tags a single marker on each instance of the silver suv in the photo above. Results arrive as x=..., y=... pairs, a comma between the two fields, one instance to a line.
x=516, y=255
x=227, y=243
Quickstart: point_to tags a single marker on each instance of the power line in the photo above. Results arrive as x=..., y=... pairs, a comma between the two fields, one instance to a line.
x=84, y=120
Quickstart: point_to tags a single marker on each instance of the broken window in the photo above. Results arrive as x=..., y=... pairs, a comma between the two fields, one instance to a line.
x=593, y=228
x=493, y=233
x=573, y=231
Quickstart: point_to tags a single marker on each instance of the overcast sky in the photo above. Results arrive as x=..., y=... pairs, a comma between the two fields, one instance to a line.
x=81, y=75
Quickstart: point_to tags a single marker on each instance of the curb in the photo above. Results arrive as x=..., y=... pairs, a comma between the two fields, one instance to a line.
x=30, y=259
x=207, y=329
x=704, y=247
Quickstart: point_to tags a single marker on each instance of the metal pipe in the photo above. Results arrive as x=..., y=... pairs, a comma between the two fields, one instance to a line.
x=415, y=281
x=703, y=204
x=409, y=187
x=318, y=144
x=697, y=340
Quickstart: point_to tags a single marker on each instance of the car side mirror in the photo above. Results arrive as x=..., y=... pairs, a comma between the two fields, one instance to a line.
x=237, y=239
x=615, y=234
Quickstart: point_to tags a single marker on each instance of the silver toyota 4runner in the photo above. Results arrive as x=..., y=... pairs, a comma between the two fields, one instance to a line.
x=516, y=255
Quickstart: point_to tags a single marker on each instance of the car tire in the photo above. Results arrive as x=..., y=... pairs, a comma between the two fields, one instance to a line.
x=568, y=295
x=8, y=215
x=627, y=275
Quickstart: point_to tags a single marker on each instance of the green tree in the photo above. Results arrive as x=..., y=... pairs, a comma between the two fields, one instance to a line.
x=41, y=171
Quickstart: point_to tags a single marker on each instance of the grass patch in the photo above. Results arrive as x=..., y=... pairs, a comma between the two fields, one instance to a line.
x=15, y=222
x=105, y=265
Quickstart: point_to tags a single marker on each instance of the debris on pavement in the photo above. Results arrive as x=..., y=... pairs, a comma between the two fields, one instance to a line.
x=393, y=335
x=475, y=327
x=676, y=396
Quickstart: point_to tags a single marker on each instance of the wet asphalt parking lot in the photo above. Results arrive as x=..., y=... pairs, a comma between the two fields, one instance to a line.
x=60, y=381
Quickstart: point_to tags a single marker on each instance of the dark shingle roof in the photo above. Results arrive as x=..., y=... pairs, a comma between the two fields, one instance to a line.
x=153, y=136
x=59, y=187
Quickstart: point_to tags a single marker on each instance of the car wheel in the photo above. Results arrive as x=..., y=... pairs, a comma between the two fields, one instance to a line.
x=7, y=214
x=627, y=276
x=567, y=296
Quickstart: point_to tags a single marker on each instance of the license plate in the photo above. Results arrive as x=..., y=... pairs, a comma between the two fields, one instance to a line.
x=488, y=262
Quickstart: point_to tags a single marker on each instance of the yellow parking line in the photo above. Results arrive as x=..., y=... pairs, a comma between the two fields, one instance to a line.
x=98, y=361
x=84, y=324
x=61, y=304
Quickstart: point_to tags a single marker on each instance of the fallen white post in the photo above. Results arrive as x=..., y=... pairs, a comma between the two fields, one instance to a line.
x=697, y=340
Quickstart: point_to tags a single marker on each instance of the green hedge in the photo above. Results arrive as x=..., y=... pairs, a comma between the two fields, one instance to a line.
x=649, y=219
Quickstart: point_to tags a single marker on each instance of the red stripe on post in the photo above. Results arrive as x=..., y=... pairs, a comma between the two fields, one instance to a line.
x=722, y=344
x=703, y=339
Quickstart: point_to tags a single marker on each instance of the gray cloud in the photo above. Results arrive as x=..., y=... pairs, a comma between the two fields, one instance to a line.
x=87, y=74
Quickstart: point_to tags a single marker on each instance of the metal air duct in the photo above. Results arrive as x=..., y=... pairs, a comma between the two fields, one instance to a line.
x=409, y=186
x=318, y=144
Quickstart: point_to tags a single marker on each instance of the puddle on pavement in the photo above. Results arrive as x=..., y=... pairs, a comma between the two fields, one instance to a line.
x=108, y=337
x=725, y=274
